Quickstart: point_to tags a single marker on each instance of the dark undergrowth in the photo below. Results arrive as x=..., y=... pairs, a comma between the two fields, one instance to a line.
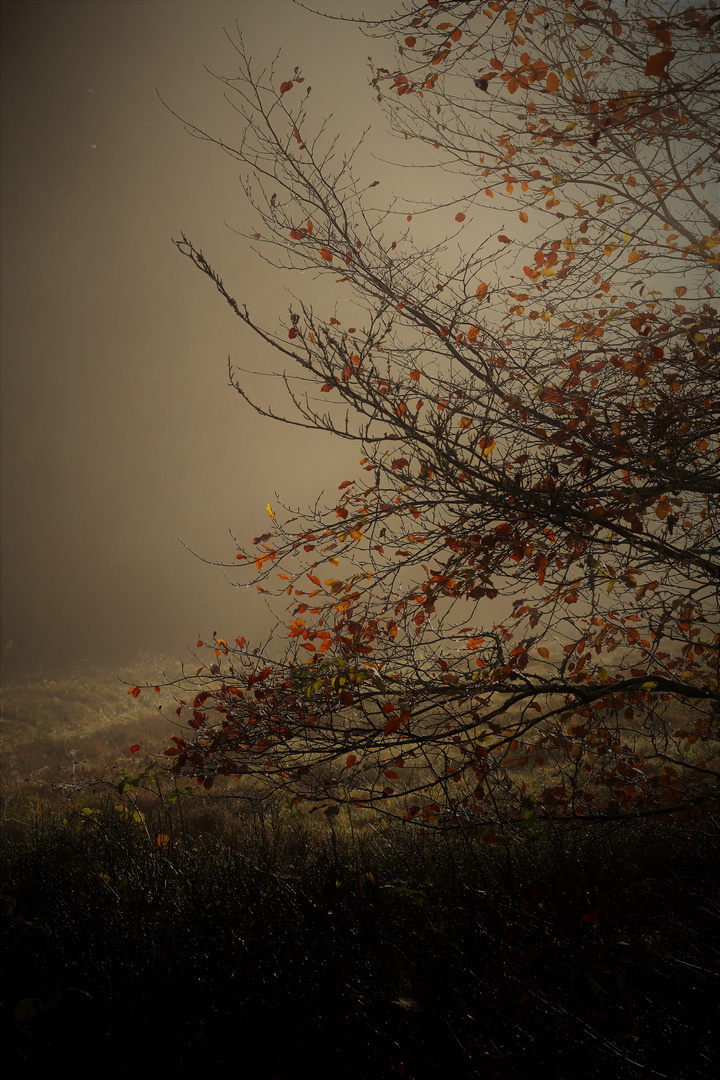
x=275, y=947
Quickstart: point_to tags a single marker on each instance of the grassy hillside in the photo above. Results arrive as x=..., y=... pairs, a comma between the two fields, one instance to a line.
x=144, y=934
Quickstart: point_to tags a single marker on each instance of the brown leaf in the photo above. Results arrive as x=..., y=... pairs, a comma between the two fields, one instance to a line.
x=658, y=63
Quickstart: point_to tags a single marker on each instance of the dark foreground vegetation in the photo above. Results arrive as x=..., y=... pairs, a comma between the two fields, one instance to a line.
x=180, y=943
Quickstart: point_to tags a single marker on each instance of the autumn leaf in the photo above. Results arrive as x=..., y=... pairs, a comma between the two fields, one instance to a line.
x=326, y=255
x=552, y=82
x=284, y=87
x=523, y=216
x=663, y=508
x=658, y=63
x=459, y=217
x=481, y=291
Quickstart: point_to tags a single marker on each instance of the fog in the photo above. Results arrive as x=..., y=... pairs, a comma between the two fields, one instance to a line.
x=120, y=433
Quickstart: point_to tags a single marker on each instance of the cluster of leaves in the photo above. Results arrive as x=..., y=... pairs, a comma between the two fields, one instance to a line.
x=538, y=414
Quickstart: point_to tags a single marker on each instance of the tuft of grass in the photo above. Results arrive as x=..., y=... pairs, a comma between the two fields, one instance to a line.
x=371, y=952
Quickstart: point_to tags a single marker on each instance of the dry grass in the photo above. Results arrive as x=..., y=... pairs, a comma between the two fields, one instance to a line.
x=54, y=727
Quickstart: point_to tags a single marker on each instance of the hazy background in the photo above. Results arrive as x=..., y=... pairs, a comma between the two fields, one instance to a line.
x=119, y=430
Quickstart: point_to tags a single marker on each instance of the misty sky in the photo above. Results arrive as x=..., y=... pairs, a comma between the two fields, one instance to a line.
x=120, y=432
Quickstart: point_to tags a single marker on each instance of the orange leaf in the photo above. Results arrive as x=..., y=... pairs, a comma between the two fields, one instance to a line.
x=544, y=652
x=481, y=291
x=410, y=41
x=523, y=216
x=456, y=35
x=325, y=254
x=680, y=290
x=552, y=82
x=634, y=256
x=504, y=239
x=459, y=217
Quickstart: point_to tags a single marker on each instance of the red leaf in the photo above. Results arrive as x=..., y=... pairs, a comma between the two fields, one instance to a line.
x=392, y=725
x=504, y=239
x=592, y=917
x=410, y=41
x=459, y=217
x=135, y=691
x=657, y=64
x=292, y=332
x=134, y=748
x=284, y=87
x=325, y=254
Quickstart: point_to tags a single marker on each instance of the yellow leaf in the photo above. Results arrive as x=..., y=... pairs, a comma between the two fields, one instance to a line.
x=269, y=510
x=626, y=235
x=634, y=256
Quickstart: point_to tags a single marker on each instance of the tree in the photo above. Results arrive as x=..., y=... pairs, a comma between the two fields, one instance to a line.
x=512, y=611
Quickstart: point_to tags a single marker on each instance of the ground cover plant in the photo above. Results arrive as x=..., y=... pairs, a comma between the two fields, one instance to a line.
x=381, y=953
